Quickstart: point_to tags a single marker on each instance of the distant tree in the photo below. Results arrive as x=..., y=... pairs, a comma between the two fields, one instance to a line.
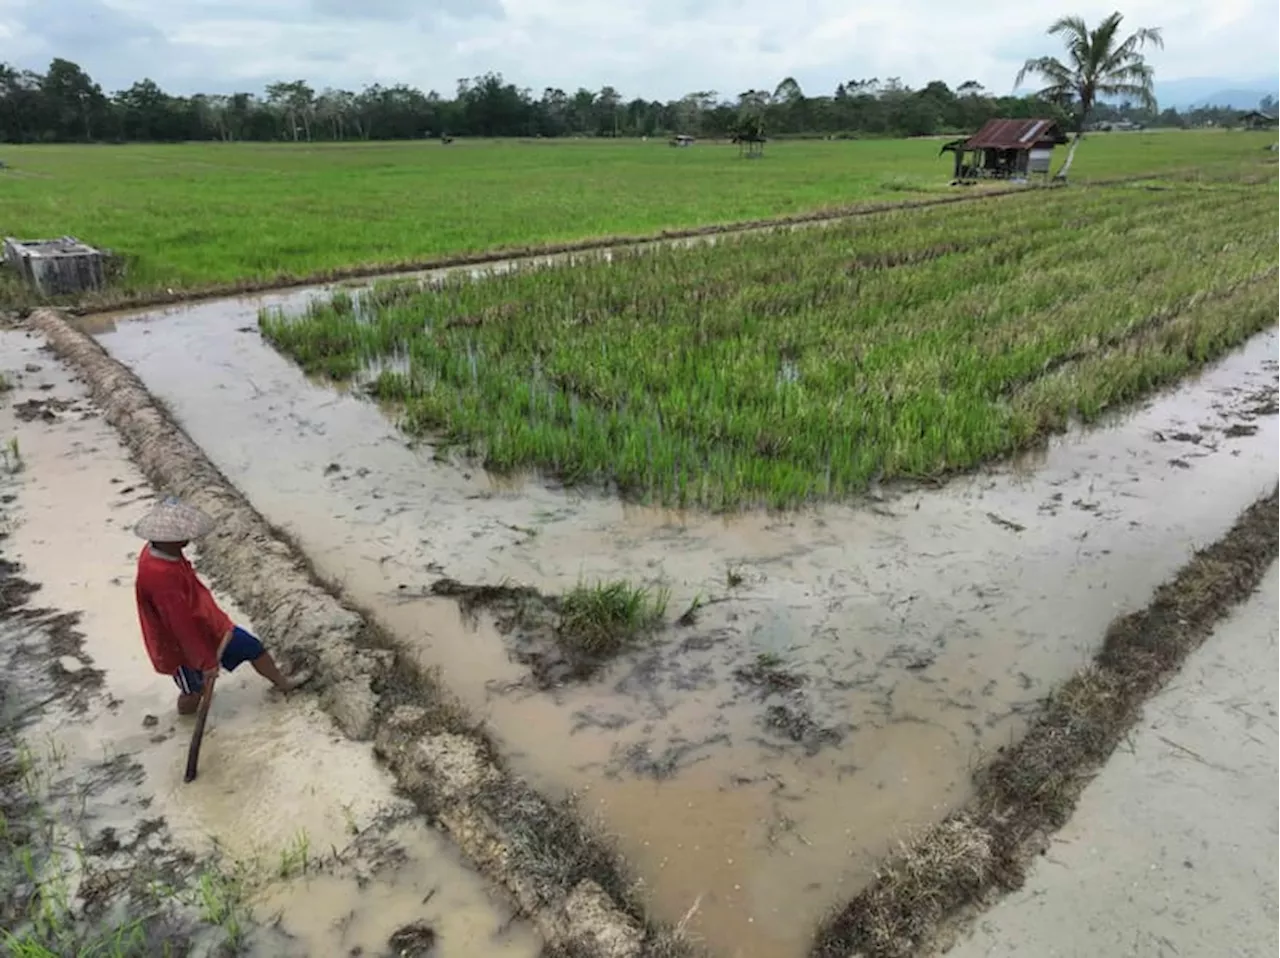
x=296, y=101
x=64, y=104
x=1099, y=64
x=1267, y=104
x=76, y=101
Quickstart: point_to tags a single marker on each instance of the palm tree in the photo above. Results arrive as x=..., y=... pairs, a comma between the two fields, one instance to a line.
x=1098, y=64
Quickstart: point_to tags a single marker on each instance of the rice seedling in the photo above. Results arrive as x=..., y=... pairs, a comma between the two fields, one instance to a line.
x=599, y=621
x=295, y=858
x=794, y=366
x=11, y=456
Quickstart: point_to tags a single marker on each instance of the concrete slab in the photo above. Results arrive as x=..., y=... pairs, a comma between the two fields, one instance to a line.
x=1173, y=849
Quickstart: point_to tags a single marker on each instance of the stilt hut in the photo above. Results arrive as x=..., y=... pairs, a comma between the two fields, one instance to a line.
x=1006, y=149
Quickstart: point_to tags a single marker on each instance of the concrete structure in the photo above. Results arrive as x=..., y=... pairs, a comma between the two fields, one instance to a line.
x=1172, y=850
x=56, y=267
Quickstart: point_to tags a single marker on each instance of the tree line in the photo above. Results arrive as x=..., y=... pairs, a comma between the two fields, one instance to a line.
x=64, y=104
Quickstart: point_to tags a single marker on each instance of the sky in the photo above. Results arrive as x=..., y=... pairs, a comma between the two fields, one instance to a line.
x=652, y=48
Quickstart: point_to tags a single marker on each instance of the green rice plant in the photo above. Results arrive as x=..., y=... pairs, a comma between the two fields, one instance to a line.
x=222, y=900
x=295, y=858
x=254, y=212
x=599, y=621
x=794, y=366
x=11, y=456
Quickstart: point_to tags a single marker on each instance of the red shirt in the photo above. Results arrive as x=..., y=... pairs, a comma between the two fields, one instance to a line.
x=181, y=622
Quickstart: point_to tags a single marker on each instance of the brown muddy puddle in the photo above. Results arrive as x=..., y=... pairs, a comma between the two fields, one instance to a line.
x=918, y=625
x=280, y=788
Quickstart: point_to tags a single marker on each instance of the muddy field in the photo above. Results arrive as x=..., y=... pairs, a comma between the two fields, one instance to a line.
x=840, y=670
x=292, y=841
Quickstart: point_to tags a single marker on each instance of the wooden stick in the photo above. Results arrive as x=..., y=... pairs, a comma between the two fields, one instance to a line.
x=193, y=752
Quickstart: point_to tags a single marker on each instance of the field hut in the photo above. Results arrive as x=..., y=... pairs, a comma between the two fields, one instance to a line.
x=1257, y=120
x=1006, y=149
x=682, y=140
x=750, y=138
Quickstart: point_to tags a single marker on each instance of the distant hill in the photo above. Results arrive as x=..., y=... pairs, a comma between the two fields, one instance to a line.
x=1215, y=91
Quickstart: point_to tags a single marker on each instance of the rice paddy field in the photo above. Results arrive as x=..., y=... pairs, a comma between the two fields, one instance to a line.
x=756, y=708
x=788, y=366
x=198, y=216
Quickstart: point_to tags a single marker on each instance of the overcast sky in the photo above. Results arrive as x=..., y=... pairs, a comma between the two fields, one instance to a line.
x=651, y=48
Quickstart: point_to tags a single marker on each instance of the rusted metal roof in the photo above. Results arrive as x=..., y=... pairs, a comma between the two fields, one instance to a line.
x=1015, y=135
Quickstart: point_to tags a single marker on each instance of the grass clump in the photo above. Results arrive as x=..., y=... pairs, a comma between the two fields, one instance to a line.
x=597, y=622
x=802, y=365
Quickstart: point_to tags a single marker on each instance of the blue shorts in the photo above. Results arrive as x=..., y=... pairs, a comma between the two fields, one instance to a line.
x=243, y=647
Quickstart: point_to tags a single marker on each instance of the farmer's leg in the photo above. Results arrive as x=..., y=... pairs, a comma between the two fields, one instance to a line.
x=190, y=684
x=245, y=647
x=266, y=666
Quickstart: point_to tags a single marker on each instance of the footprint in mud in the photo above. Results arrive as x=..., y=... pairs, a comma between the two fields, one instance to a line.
x=417, y=940
x=46, y=409
x=1239, y=429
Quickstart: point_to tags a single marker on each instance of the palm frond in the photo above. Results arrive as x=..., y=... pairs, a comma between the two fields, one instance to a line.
x=1076, y=37
x=1151, y=35
x=1141, y=92
x=1051, y=68
x=1075, y=26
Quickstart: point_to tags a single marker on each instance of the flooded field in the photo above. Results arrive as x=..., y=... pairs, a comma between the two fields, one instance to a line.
x=845, y=667
x=336, y=860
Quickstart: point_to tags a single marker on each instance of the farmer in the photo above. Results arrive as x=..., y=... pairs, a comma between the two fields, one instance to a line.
x=186, y=634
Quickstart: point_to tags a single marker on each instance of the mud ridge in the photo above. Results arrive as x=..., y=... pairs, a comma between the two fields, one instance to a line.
x=1029, y=790
x=564, y=878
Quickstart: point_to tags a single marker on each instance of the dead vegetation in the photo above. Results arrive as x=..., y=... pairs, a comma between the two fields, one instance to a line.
x=1030, y=789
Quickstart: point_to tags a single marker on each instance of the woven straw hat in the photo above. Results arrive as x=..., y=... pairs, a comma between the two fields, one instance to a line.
x=173, y=521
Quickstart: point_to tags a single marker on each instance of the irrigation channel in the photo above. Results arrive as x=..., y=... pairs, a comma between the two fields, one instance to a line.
x=848, y=665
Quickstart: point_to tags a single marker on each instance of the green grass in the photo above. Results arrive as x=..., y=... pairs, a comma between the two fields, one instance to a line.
x=599, y=621
x=201, y=215
x=786, y=367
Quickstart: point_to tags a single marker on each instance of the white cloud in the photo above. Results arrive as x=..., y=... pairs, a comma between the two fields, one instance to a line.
x=650, y=48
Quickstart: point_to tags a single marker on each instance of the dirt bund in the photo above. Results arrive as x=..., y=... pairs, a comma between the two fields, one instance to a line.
x=563, y=877
x=1029, y=790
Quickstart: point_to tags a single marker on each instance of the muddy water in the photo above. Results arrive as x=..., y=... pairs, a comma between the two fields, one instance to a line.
x=921, y=624
x=276, y=778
